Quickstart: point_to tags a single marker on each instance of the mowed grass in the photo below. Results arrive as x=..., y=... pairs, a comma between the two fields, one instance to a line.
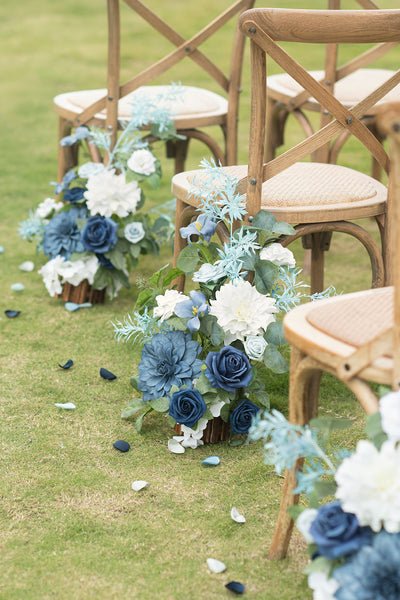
x=71, y=527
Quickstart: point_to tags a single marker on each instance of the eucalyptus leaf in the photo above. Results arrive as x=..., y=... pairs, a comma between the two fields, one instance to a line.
x=225, y=412
x=170, y=276
x=274, y=334
x=265, y=275
x=274, y=360
x=262, y=397
x=374, y=431
x=294, y=511
x=188, y=259
x=134, y=382
x=139, y=420
x=160, y=404
x=283, y=228
x=155, y=279
x=177, y=323
x=321, y=563
x=264, y=220
x=144, y=297
x=325, y=488
x=121, y=277
x=203, y=384
x=130, y=411
x=101, y=278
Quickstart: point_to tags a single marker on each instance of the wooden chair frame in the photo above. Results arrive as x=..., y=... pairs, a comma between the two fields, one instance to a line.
x=265, y=27
x=279, y=107
x=185, y=48
x=314, y=350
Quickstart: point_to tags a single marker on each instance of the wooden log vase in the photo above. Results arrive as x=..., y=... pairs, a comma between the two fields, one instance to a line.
x=216, y=431
x=82, y=293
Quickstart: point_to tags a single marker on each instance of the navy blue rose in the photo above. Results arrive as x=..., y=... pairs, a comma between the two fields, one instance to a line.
x=336, y=532
x=228, y=369
x=187, y=407
x=99, y=234
x=74, y=194
x=168, y=359
x=242, y=417
x=62, y=236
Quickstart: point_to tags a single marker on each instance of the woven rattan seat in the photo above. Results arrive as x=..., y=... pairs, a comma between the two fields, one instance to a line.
x=354, y=319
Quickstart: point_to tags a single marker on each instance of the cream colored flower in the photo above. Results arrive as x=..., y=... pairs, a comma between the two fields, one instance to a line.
x=278, y=255
x=142, y=162
x=242, y=311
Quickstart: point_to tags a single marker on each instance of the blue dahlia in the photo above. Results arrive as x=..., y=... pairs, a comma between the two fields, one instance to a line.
x=62, y=236
x=372, y=573
x=168, y=359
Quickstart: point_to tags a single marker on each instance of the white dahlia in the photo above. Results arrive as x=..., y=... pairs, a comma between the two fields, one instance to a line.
x=369, y=485
x=108, y=194
x=242, y=311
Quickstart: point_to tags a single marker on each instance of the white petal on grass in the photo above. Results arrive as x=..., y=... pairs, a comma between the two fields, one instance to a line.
x=236, y=516
x=66, y=406
x=139, y=485
x=216, y=566
x=175, y=447
x=27, y=266
x=17, y=287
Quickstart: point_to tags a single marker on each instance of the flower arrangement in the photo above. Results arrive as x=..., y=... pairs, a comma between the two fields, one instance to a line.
x=354, y=541
x=94, y=231
x=206, y=354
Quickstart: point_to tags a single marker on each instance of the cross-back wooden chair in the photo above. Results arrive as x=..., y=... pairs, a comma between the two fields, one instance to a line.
x=347, y=82
x=355, y=337
x=193, y=109
x=318, y=198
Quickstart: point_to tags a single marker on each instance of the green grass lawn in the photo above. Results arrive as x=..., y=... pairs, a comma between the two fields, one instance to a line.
x=71, y=528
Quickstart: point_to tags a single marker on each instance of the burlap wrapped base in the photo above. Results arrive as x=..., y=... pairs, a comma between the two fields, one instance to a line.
x=82, y=293
x=216, y=431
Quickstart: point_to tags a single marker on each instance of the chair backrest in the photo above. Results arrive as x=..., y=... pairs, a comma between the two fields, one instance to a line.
x=266, y=27
x=184, y=48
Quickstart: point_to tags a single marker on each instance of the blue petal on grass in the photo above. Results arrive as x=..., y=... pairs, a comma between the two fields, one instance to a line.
x=67, y=365
x=107, y=374
x=211, y=461
x=17, y=287
x=72, y=306
x=235, y=587
x=11, y=314
x=121, y=445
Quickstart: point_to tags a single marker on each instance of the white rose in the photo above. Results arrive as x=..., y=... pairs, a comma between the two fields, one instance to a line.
x=254, y=347
x=90, y=168
x=324, y=588
x=142, y=162
x=304, y=521
x=46, y=207
x=278, y=255
x=166, y=304
x=389, y=407
x=208, y=272
x=134, y=232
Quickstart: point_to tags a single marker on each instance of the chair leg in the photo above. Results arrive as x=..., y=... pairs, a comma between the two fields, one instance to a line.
x=303, y=403
x=318, y=243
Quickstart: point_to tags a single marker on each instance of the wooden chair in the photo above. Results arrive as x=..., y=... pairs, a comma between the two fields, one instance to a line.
x=355, y=337
x=348, y=83
x=318, y=198
x=193, y=109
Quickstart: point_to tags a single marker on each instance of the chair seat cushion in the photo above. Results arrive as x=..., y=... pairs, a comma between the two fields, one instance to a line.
x=348, y=90
x=354, y=319
x=188, y=102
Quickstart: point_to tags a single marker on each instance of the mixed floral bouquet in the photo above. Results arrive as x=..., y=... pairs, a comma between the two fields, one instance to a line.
x=94, y=231
x=354, y=541
x=206, y=354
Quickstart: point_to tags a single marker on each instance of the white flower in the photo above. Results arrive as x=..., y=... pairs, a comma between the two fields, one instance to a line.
x=166, y=304
x=142, y=162
x=208, y=272
x=254, y=346
x=134, y=232
x=74, y=272
x=90, y=168
x=369, y=485
x=192, y=437
x=278, y=255
x=324, y=588
x=304, y=521
x=242, y=311
x=108, y=194
x=46, y=207
x=51, y=275
x=389, y=407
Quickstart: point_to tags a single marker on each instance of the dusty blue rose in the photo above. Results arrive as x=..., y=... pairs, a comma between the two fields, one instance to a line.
x=99, y=234
x=61, y=236
x=373, y=572
x=228, y=369
x=242, y=416
x=74, y=194
x=168, y=359
x=336, y=532
x=187, y=407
